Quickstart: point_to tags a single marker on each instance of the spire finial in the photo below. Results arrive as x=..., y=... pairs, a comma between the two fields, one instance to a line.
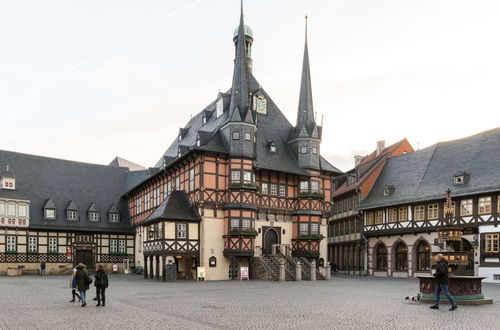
x=306, y=17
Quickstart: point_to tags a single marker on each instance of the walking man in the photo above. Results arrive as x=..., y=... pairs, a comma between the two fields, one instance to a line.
x=442, y=281
x=42, y=268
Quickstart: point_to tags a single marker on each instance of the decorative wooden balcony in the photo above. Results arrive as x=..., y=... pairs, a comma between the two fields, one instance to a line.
x=239, y=245
x=171, y=247
x=306, y=246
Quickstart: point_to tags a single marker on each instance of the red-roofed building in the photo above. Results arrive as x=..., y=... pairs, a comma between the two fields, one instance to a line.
x=345, y=228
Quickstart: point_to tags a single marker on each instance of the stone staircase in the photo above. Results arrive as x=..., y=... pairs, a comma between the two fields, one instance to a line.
x=267, y=267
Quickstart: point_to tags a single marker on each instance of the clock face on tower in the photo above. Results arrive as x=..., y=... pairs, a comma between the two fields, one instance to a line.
x=260, y=104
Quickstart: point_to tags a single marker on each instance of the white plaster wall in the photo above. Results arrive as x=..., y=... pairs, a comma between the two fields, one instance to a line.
x=212, y=244
x=488, y=273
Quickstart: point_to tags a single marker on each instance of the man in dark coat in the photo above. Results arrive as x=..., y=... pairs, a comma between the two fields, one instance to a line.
x=101, y=283
x=82, y=280
x=442, y=281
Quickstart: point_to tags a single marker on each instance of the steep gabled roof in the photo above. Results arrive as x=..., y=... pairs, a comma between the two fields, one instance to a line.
x=240, y=100
x=367, y=166
x=427, y=174
x=306, y=124
x=175, y=207
x=122, y=162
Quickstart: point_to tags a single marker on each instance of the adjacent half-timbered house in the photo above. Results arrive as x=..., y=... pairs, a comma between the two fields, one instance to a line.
x=406, y=207
x=246, y=179
x=346, y=243
x=62, y=212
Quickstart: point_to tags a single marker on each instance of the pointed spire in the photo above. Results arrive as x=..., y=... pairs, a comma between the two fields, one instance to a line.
x=239, y=90
x=305, y=114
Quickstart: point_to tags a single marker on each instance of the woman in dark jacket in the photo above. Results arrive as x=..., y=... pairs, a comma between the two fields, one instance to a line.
x=82, y=280
x=101, y=283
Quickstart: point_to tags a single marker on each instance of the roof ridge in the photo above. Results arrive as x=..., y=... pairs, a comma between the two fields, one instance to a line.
x=58, y=159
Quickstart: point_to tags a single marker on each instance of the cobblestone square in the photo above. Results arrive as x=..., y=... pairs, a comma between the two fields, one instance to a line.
x=132, y=302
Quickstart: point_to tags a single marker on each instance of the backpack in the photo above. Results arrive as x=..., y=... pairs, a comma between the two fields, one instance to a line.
x=88, y=279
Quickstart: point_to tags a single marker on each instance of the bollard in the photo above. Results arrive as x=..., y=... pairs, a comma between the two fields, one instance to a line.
x=313, y=270
x=328, y=271
x=282, y=271
x=298, y=272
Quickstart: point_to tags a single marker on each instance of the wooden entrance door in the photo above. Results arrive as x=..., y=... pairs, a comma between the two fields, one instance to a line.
x=233, y=270
x=270, y=238
x=85, y=257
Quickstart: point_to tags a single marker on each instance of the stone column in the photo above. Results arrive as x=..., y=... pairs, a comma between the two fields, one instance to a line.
x=313, y=270
x=163, y=263
x=282, y=271
x=298, y=272
x=328, y=271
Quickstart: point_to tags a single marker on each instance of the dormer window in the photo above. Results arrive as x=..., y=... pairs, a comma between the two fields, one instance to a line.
x=388, y=190
x=303, y=150
x=248, y=136
x=179, y=138
x=93, y=213
x=459, y=179
x=94, y=216
x=179, y=152
x=114, y=217
x=273, y=148
x=198, y=141
x=236, y=135
x=315, y=150
x=50, y=214
x=72, y=215
x=113, y=214
x=49, y=210
x=203, y=119
x=7, y=179
x=72, y=211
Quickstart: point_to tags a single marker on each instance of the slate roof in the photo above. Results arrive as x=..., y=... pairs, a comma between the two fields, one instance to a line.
x=63, y=183
x=428, y=173
x=271, y=127
x=175, y=207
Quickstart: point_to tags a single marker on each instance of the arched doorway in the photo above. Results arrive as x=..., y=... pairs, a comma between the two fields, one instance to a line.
x=270, y=238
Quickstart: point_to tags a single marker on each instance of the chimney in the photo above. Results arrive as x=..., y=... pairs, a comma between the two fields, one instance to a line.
x=358, y=159
x=380, y=146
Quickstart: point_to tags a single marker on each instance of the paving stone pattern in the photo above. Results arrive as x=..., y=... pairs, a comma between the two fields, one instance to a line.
x=32, y=302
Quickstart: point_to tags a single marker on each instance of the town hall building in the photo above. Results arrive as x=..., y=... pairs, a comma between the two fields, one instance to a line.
x=238, y=182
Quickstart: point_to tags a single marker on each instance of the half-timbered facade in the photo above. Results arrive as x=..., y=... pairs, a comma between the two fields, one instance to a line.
x=62, y=212
x=248, y=180
x=406, y=207
x=346, y=243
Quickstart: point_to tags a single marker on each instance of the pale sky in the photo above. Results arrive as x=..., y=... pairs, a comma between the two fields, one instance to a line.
x=91, y=80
